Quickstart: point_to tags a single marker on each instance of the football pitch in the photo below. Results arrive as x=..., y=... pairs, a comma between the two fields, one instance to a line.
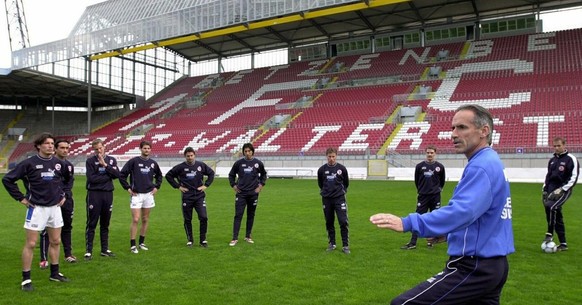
x=288, y=263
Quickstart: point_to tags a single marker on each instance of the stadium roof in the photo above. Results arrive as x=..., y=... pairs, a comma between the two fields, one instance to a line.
x=328, y=24
x=209, y=29
x=347, y=19
x=29, y=87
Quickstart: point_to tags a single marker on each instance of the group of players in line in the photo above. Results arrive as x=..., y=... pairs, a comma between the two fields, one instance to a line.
x=48, y=179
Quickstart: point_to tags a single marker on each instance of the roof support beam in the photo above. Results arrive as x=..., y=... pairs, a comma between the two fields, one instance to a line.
x=319, y=27
x=242, y=42
x=366, y=21
x=281, y=37
x=202, y=44
x=474, y=4
x=148, y=64
x=416, y=12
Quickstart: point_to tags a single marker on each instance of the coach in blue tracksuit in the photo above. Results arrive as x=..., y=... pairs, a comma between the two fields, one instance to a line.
x=477, y=220
x=247, y=178
x=563, y=172
x=188, y=177
x=333, y=182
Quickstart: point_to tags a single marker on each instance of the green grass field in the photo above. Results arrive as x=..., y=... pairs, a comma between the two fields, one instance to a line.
x=288, y=263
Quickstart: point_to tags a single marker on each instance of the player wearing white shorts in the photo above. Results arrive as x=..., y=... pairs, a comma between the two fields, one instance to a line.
x=43, y=176
x=67, y=210
x=142, y=201
x=145, y=179
x=40, y=217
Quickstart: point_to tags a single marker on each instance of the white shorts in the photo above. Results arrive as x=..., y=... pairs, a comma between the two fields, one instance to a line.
x=142, y=201
x=40, y=217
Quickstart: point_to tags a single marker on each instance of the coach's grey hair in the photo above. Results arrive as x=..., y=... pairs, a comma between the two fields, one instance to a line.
x=482, y=118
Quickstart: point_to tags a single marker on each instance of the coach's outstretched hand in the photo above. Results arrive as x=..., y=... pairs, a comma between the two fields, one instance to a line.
x=387, y=221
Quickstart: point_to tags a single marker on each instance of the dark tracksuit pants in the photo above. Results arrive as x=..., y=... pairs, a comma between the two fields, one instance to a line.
x=66, y=231
x=338, y=206
x=242, y=201
x=554, y=216
x=198, y=204
x=466, y=280
x=99, y=207
x=426, y=203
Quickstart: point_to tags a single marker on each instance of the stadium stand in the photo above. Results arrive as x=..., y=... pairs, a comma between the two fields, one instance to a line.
x=531, y=83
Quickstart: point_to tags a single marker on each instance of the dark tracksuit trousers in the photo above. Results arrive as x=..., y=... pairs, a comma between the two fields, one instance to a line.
x=554, y=216
x=99, y=207
x=336, y=206
x=242, y=201
x=198, y=204
x=426, y=203
x=467, y=280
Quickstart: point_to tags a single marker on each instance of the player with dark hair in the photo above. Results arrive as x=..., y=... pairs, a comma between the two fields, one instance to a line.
x=43, y=177
x=563, y=172
x=477, y=220
x=62, y=152
x=247, y=178
x=101, y=171
x=145, y=179
x=333, y=181
x=188, y=177
x=429, y=178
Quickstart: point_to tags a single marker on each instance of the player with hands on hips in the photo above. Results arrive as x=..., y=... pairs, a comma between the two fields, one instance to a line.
x=62, y=152
x=188, y=177
x=43, y=177
x=145, y=179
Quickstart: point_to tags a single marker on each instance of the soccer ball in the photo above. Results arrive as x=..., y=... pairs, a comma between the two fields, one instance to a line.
x=549, y=247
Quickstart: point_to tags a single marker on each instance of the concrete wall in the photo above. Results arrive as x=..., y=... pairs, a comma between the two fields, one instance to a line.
x=519, y=168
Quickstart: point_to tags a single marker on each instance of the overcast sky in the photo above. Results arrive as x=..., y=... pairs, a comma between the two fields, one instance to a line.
x=47, y=21
x=51, y=20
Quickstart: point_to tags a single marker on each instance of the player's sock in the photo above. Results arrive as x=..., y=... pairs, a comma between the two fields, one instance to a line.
x=54, y=269
x=25, y=275
x=132, y=243
x=141, y=239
